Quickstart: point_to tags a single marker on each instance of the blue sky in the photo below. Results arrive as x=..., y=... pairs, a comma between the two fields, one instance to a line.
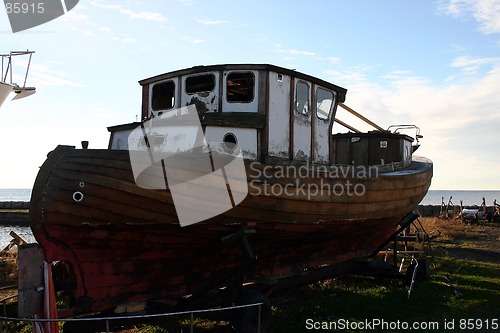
x=432, y=63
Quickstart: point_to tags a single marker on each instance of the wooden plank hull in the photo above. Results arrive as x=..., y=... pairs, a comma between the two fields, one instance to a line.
x=124, y=243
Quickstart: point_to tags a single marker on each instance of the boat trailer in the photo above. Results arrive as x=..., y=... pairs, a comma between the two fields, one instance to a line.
x=253, y=310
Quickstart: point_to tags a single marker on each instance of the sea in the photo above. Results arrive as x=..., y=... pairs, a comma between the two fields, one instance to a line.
x=433, y=197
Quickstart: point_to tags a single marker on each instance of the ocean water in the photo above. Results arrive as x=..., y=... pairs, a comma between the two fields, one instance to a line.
x=24, y=232
x=469, y=198
x=15, y=194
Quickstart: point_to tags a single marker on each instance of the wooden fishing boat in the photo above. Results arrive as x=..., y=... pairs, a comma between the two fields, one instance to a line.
x=310, y=199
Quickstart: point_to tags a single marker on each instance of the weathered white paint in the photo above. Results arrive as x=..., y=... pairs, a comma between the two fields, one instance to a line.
x=120, y=139
x=302, y=131
x=204, y=101
x=176, y=99
x=321, y=130
x=407, y=151
x=253, y=106
x=279, y=115
x=5, y=90
x=246, y=140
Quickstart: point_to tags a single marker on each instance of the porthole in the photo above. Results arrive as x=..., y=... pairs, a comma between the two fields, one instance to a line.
x=230, y=142
x=77, y=196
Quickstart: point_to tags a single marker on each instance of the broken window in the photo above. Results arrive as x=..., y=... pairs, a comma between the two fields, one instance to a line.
x=163, y=96
x=240, y=87
x=302, y=98
x=200, y=83
x=324, y=102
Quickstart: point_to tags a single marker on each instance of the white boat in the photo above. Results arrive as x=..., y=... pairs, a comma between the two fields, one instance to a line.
x=6, y=84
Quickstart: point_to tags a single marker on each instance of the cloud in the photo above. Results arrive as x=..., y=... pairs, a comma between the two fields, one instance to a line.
x=348, y=76
x=302, y=53
x=149, y=16
x=260, y=38
x=459, y=119
x=43, y=76
x=75, y=16
x=188, y=3
x=485, y=12
x=334, y=60
x=193, y=40
x=213, y=22
x=472, y=64
x=125, y=38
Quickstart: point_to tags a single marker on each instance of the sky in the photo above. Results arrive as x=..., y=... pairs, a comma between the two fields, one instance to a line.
x=431, y=63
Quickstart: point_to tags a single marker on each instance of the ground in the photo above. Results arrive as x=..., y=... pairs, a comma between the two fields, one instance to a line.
x=462, y=288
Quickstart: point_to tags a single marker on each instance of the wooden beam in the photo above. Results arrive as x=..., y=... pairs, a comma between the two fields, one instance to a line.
x=360, y=116
x=347, y=125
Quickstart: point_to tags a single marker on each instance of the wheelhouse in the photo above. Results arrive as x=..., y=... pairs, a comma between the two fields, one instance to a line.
x=264, y=111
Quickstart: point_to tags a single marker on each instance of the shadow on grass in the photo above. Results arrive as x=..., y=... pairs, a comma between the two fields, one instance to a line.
x=359, y=299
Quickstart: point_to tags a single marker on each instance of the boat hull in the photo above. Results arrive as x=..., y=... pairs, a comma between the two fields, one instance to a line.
x=5, y=90
x=123, y=243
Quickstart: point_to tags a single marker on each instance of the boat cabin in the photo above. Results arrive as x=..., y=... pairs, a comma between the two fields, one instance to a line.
x=265, y=112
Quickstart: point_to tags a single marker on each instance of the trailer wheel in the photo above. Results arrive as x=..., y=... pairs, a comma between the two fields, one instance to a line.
x=247, y=319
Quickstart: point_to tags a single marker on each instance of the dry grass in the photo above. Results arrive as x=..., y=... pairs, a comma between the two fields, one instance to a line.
x=480, y=235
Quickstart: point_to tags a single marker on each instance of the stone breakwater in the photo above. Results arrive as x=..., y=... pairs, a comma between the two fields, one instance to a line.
x=14, y=212
x=435, y=210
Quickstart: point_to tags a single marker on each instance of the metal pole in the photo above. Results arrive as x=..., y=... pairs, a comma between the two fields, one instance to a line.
x=27, y=70
x=107, y=325
x=191, y=328
x=6, y=70
x=259, y=318
x=10, y=62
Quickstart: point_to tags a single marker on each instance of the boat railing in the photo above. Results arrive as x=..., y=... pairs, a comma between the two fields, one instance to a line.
x=7, y=65
x=108, y=319
x=397, y=128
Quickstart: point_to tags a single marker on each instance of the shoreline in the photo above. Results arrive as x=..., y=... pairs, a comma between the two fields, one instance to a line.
x=14, y=213
x=17, y=212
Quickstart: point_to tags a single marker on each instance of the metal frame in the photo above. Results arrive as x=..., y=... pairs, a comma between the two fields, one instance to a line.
x=111, y=318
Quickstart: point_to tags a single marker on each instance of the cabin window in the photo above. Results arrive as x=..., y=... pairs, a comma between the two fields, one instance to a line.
x=324, y=102
x=240, y=87
x=302, y=98
x=163, y=96
x=200, y=83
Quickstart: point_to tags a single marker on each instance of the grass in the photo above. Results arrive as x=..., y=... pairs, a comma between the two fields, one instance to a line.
x=360, y=298
x=462, y=284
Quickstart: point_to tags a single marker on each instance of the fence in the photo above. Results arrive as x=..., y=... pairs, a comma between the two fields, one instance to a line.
x=107, y=320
